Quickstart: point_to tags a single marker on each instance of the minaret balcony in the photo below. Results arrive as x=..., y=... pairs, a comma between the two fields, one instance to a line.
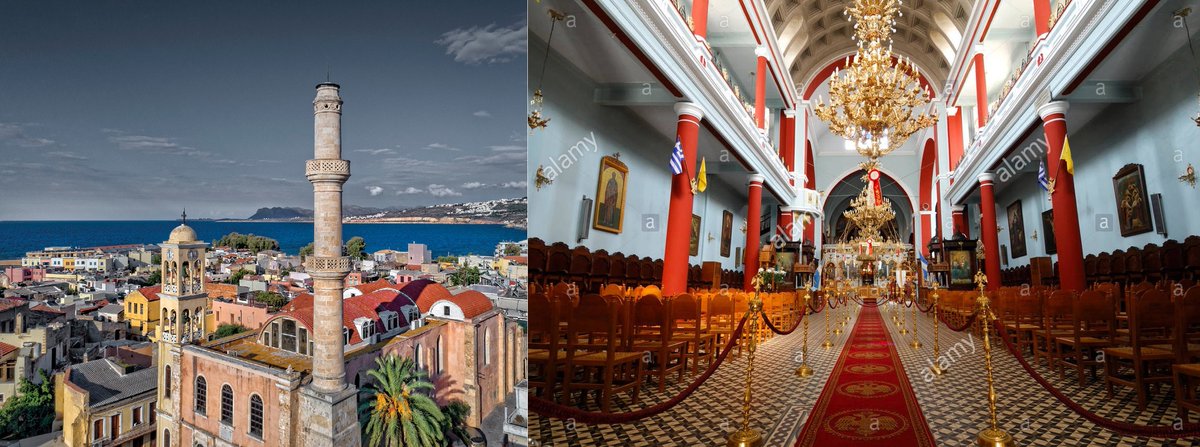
x=327, y=170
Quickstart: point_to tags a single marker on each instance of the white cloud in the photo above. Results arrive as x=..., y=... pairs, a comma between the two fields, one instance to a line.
x=483, y=114
x=14, y=134
x=442, y=191
x=508, y=148
x=442, y=147
x=473, y=185
x=516, y=185
x=409, y=190
x=376, y=151
x=66, y=155
x=374, y=190
x=490, y=44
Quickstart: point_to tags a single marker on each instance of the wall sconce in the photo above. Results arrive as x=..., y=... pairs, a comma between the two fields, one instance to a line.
x=1189, y=177
x=540, y=178
x=1034, y=235
x=585, y=219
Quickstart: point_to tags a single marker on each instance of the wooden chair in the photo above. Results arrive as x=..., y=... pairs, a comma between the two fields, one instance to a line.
x=601, y=266
x=652, y=334
x=1117, y=267
x=1173, y=260
x=688, y=326
x=1186, y=371
x=558, y=262
x=1133, y=265
x=547, y=358
x=721, y=319
x=1056, y=322
x=537, y=260
x=1139, y=366
x=1152, y=267
x=608, y=371
x=1092, y=329
x=579, y=270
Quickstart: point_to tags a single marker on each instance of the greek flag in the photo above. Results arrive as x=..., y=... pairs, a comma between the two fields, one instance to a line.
x=817, y=280
x=1043, y=180
x=677, y=158
x=924, y=264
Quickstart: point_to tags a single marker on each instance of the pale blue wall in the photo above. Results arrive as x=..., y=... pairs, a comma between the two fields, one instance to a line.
x=1158, y=133
x=554, y=210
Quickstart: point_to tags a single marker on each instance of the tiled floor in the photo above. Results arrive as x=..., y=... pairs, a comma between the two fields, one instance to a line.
x=954, y=404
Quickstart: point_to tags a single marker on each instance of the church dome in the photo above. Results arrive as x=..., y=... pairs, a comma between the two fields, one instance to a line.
x=182, y=233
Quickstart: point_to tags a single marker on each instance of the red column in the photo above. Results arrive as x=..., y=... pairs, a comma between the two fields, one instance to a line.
x=700, y=18
x=1066, y=214
x=1041, y=17
x=991, y=240
x=981, y=99
x=959, y=216
x=810, y=172
x=787, y=141
x=679, y=215
x=753, y=214
x=784, y=229
x=760, y=88
x=954, y=133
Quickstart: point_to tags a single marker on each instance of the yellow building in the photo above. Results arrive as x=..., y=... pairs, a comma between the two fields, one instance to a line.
x=141, y=310
x=103, y=402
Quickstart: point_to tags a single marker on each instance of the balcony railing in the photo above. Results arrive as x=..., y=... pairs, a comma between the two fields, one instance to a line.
x=138, y=430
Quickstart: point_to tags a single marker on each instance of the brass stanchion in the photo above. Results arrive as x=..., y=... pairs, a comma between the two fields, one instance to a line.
x=828, y=341
x=804, y=370
x=900, y=317
x=916, y=342
x=747, y=436
x=992, y=436
x=838, y=323
x=935, y=368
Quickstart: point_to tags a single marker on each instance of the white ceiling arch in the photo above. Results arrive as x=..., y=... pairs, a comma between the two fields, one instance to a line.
x=812, y=31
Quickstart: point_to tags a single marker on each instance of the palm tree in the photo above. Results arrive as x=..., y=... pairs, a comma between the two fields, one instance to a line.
x=396, y=411
x=456, y=419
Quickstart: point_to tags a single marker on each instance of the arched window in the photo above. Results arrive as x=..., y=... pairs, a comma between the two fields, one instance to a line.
x=166, y=437
x=167, y=382
x=227, y=404
x=256, y=416
x=437, y=356
x=487, y=346
x=417, y=354
x=201, y=395
x=346, y=335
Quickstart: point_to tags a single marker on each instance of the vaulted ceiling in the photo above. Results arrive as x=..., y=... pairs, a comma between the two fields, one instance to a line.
x=814, y=33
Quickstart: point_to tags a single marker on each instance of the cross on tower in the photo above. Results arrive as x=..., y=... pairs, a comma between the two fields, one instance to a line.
x=184, y=216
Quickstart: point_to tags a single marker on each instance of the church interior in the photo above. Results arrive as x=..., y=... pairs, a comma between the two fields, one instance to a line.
x=863, y=222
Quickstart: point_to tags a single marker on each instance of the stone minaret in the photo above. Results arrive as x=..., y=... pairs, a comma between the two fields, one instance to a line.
x=328, y=405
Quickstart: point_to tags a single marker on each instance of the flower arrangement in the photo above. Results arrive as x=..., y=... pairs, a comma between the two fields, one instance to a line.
x=771, y=278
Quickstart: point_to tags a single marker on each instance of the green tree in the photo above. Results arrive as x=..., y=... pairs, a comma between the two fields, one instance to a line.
x=512, y=250
x=154, y=278
x=456, y=420
x=356, y=248
x=237, y=276
x=448, y=259
x=228, y=329
x=156, y=259
x=273, y=300
x=307, y=250
x=31, y=412
x=465, y=276
x=396, y=410
x=255, y=244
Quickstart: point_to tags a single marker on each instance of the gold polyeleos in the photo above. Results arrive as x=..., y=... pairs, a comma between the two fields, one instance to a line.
x=874, y=103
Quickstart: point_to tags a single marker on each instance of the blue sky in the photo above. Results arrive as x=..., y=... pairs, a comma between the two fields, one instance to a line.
x=135, y=109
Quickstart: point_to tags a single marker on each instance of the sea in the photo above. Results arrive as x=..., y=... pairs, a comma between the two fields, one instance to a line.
x=19, y=237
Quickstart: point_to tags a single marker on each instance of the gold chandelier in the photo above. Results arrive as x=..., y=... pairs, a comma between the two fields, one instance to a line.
x=874, y=103
x=869, y=213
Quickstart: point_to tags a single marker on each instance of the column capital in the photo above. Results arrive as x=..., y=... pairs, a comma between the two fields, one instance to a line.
x=689, y=108
x=761, y=51
x=979, y=49
x=987, y=178
x=1053, y=108
x=790, y=113
x=789, y=209
x=757, y=178
x=958, y=209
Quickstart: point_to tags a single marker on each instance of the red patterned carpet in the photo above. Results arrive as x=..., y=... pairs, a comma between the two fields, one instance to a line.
x=868, y=400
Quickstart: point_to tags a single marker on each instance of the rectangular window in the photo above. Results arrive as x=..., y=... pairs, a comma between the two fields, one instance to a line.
x=446, y=310
x=153, y=410
x=288, y=342
x=303, y=341
x=137, y=415
x=98, y=430
x=275, y=334
x=115, y=425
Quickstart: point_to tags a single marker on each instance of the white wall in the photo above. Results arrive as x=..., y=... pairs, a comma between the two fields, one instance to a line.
x=554, y=211
x=1156, y=132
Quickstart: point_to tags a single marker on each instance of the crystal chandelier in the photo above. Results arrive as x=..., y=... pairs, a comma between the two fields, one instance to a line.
x=869, y=213
x=874, y=104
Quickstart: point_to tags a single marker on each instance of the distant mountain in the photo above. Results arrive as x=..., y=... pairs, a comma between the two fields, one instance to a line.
x=279, y=212
x=512, y=212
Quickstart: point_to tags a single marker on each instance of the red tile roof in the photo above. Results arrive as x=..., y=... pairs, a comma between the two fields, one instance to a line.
x=151, y=293
x=430, y=292
x=48, y=309
x=375, y=285
x=6, y=348
x=361, y=306
x=518, y=259
x=6, y=304
x=472, y=303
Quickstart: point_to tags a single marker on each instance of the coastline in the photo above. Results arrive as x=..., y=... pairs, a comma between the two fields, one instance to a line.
x=391, y=220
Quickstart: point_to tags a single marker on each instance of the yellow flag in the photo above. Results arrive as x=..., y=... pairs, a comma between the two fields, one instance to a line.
x=1066, y=156
x=702, y=179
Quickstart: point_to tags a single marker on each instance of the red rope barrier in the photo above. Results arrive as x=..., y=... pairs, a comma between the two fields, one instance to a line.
x=551, y=409
x=816, y=310
x=776, y=330
x=927, y=309
x=970, y=321
x=1187, y=430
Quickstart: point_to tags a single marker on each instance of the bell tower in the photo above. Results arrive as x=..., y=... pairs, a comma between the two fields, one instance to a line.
x=183, y=303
